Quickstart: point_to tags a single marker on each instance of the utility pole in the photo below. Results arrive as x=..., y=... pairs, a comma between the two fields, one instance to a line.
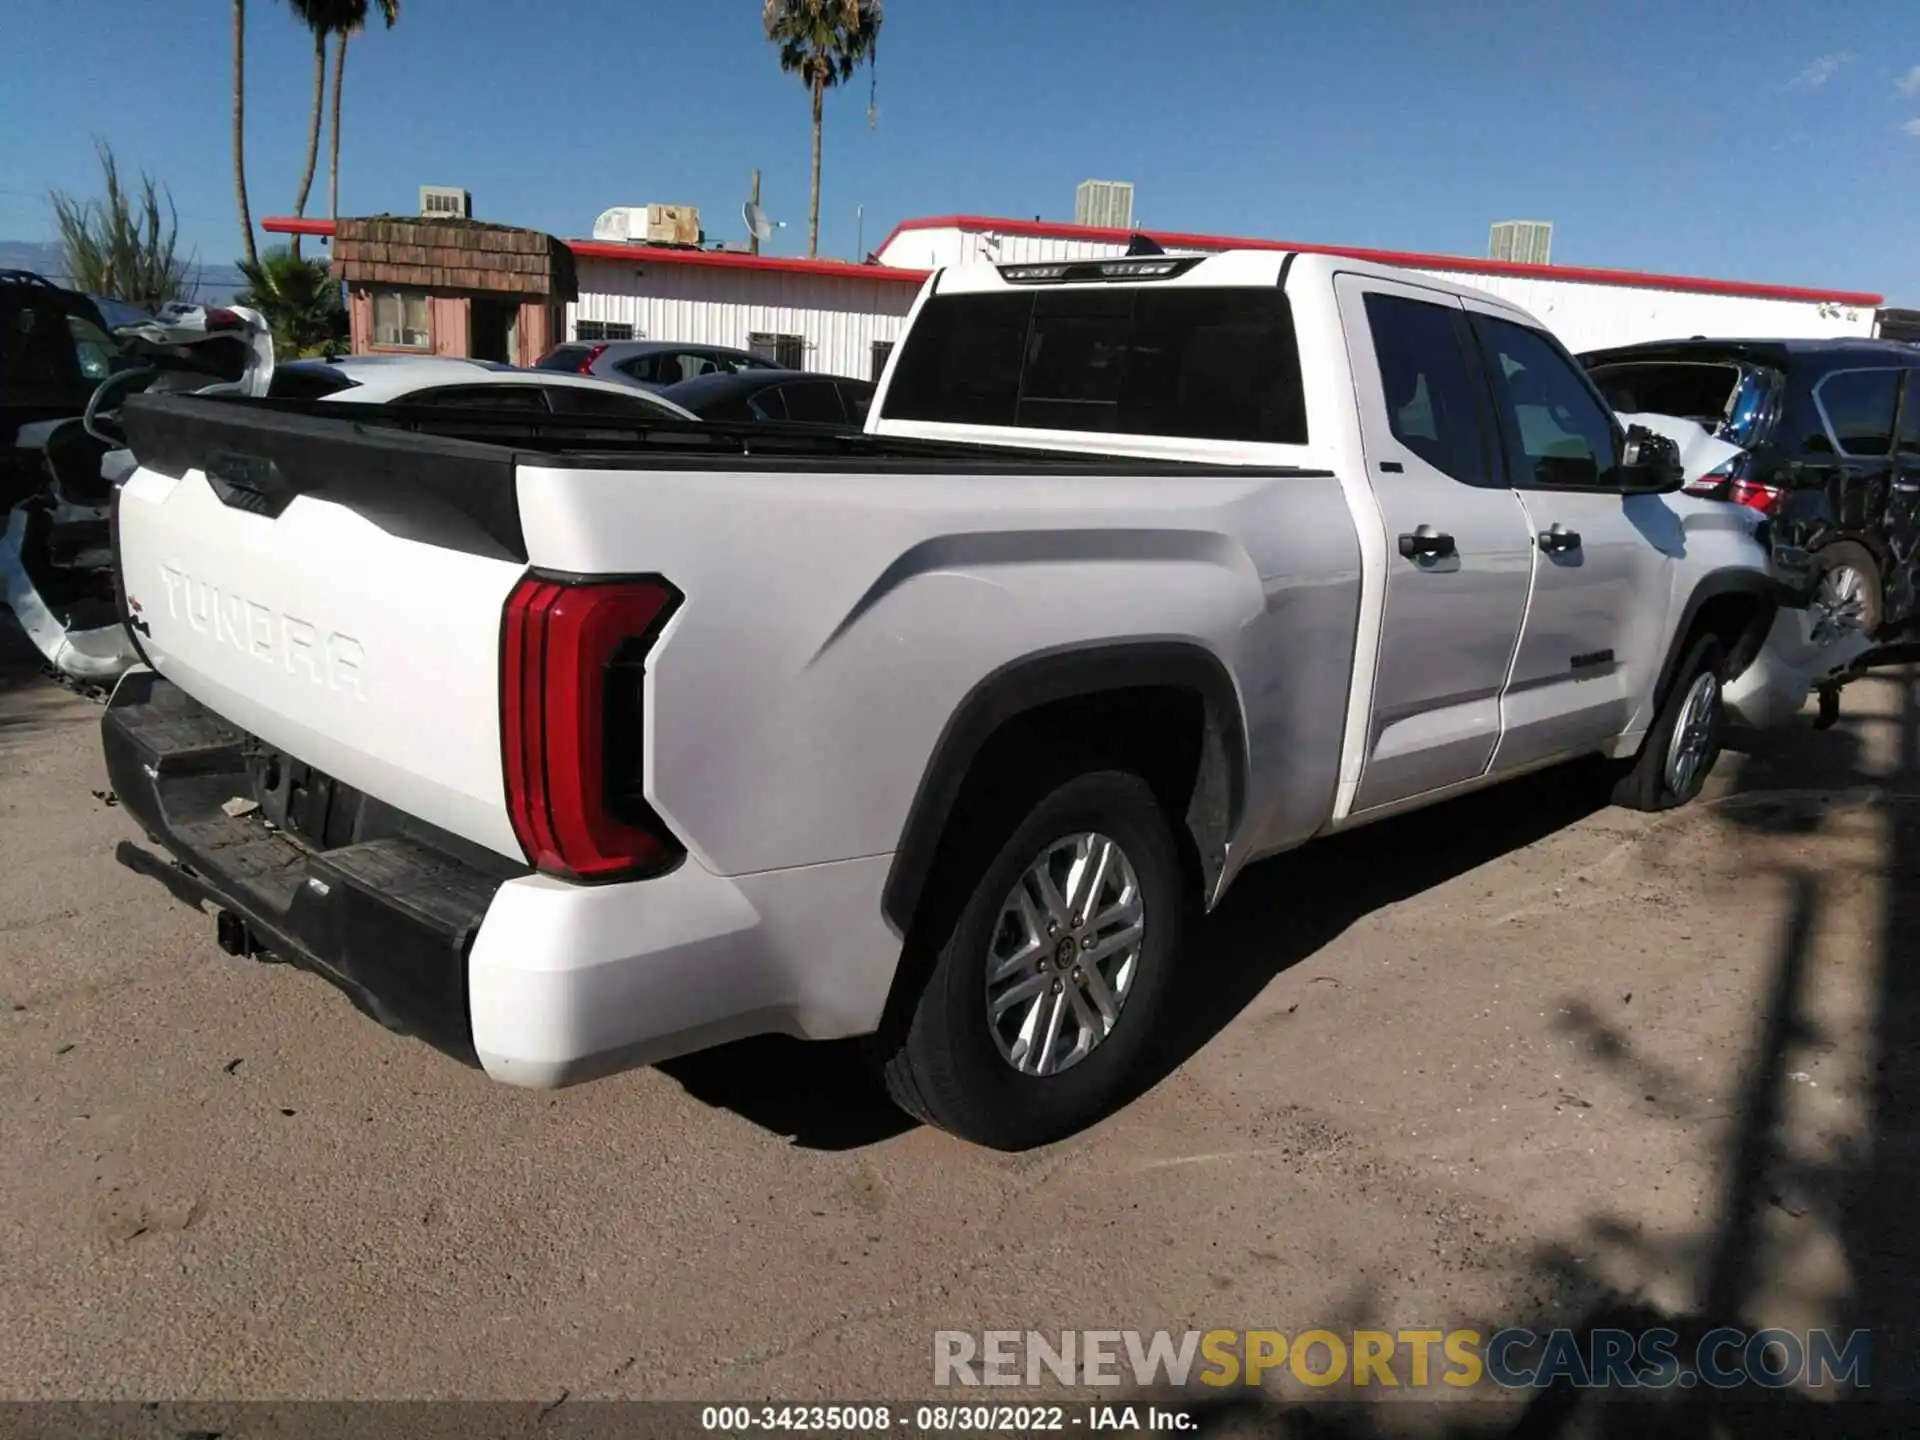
x=860, y=243
x=754, y=240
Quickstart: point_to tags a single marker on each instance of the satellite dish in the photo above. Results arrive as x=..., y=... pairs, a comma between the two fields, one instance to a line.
x=758, y=225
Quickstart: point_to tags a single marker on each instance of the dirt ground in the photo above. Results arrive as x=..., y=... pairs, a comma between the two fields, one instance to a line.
x=1514, y=1060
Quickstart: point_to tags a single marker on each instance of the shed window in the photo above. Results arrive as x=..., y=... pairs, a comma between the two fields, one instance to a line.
x=789, y=352
x=601, y=330
x=400, y=319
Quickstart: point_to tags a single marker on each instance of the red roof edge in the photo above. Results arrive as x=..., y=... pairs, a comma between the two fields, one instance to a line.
x=732, y=260
x=296, y=225
x=670, y=255
x=1409, y=259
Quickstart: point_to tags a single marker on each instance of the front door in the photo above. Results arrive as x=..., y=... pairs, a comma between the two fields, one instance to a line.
x=1602, y=562
x=491, y=336
x=1459, y=561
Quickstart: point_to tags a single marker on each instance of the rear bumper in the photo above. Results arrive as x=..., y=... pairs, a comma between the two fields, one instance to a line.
x=539, y=982
x=388, y=920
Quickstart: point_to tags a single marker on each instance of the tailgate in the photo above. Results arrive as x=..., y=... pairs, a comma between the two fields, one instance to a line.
x=335, y=589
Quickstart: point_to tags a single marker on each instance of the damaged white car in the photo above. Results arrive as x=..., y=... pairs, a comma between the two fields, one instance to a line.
x=56, y=556
x=1805, y=653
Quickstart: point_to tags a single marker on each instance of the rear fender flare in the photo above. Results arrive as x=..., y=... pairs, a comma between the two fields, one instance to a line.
x=1044, y=678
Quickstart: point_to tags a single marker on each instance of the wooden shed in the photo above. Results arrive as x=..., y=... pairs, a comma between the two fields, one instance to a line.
x=449, y=286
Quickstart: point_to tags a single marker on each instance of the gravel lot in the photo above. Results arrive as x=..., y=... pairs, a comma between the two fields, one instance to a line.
x=1514, y=1060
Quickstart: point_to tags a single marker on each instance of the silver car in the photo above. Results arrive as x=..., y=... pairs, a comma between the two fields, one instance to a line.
x=649, y=364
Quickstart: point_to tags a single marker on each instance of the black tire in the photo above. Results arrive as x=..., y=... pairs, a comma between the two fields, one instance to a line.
x=937, y=1053
x=1645, y=784
x=1850, y=554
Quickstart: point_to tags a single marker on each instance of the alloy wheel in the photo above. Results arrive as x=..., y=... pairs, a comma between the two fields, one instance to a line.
x=1840, y=602
x=1064, y=954
x=1687, y=751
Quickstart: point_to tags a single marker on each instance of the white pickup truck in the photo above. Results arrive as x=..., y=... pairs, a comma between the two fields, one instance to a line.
x=569, y=745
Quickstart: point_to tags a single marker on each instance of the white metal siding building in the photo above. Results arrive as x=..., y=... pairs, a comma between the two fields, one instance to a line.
x=1587, y=308
x=842, y=316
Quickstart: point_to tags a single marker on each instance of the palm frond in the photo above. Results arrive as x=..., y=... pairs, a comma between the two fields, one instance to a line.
x=823, y=41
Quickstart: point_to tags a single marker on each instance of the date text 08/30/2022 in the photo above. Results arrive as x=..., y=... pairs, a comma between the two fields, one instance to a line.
x=960, y=1419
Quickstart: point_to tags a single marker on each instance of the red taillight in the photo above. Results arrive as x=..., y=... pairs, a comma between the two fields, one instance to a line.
x=586, y=365
x=570, y=721
x=1755, y=496
x=1733, y=480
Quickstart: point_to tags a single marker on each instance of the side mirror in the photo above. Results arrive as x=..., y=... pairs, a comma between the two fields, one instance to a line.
x=1649, y=464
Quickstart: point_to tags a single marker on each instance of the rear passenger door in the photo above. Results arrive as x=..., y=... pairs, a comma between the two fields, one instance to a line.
x=1459, y=561
x=1597, y=624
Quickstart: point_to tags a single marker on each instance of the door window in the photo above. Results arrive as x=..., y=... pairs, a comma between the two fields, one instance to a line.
x=1858, y=406
x=1909, y=441
x=769, y=404
x=858, y=398
x=94, y=348
x=1433, y=396
x=1557, y=430
x=814, y=402
x=646, y=368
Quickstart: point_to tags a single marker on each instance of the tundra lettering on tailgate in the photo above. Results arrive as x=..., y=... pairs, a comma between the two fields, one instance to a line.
x=325, y=657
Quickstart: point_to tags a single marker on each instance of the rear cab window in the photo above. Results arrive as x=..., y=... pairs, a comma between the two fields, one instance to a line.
x=306, y=380
x=1206, y=363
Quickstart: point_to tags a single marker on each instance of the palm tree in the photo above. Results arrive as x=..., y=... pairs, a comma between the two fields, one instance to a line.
x=300, y=299
x=352, y=19
x=823, y=42
x=240, y=126
x=321, y=17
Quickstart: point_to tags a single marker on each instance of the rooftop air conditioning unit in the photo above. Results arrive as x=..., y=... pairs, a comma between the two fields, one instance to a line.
x=445, y=201
x=650, y=224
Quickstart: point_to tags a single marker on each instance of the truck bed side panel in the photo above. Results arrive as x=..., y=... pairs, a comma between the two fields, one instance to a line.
x=833, y=623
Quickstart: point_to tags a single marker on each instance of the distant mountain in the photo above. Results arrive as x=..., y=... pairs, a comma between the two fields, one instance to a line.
x=217, y=283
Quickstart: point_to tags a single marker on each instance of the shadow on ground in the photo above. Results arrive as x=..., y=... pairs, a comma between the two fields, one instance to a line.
x=824, y=1097
x=29, y=694
x=1862, y=1194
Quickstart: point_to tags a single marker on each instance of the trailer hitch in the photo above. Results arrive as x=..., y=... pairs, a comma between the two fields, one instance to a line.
x=1881, y=657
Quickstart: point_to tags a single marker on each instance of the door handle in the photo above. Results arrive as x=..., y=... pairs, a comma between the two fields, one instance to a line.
x=1556, y=539
x=1426, y=543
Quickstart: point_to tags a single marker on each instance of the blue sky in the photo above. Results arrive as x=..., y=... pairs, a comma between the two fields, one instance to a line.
x=1767, y=140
